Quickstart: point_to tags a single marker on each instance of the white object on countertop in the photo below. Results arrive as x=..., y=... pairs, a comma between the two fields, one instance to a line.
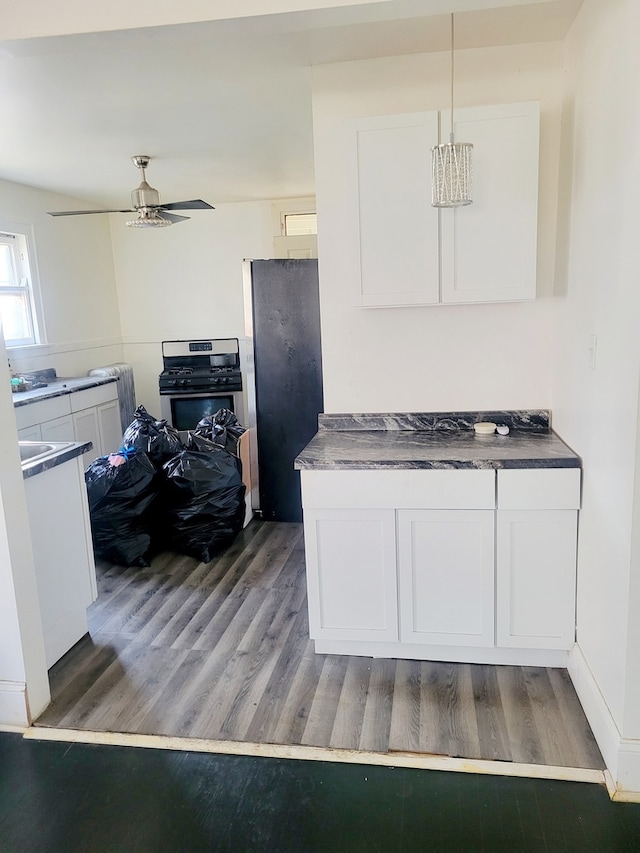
x=485, y=428
x=503, y=429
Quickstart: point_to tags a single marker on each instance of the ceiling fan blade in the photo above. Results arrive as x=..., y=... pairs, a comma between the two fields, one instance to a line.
x=172, y=217
x=193, y=204
x=84, y=212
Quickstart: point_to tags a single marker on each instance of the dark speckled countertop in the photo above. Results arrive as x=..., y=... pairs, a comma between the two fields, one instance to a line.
x=59, y=387
x=65, y=450
x=435, y=440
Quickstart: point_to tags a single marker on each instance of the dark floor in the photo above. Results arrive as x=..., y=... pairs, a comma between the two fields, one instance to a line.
x=61, y=798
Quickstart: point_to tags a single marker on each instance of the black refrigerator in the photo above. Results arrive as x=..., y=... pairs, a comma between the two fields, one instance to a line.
x=283, y=377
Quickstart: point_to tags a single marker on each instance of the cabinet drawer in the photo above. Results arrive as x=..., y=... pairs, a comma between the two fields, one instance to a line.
x=401, y=489
x=93, y=396
x=42, y=410
x=539, y=488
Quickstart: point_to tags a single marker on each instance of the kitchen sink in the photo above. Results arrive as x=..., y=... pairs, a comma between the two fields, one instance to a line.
x=34, y=451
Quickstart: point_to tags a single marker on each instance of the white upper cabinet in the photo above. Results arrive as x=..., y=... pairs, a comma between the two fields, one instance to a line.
x=489, y=247
x=401, y=250
x=394, y=229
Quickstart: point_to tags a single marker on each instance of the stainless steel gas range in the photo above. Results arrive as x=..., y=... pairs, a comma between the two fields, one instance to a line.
x=199, y=378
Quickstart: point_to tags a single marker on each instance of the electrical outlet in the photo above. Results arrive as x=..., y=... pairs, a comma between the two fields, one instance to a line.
x=592, y=349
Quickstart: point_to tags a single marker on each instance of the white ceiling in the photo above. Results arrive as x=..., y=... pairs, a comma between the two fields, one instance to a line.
x=222, y=106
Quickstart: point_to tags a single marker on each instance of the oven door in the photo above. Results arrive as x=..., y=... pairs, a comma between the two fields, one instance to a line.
x=184, y=410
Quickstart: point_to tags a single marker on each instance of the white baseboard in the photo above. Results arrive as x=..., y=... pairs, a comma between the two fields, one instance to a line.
x=628, y=778
x=13, y=704
x=621, y=755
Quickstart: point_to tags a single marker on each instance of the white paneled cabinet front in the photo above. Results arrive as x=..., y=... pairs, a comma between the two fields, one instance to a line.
x=58, y=429
x=109, y=427
x=401, y=250
x=489, y=248
x=101, y=426
x=351, y=561
x=85, y=425
x=470, y=565
x=536, y=551
x=536, y=578
x=446, y=577
x=393, y=236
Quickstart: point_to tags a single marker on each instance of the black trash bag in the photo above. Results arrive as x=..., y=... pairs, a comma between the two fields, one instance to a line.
x=157, y=439
x=203, y=502
x=121, y=489
x=222, y=428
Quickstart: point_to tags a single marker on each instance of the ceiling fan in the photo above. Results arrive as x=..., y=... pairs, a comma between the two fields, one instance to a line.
x=145, y=201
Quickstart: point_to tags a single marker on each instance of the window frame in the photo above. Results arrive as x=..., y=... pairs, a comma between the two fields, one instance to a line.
x=290, y=214
x=24, y=266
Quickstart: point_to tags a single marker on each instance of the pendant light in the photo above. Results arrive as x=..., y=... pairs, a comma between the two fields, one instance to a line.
x=451, y=163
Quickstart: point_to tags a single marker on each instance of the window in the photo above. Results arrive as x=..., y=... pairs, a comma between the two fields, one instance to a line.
x=17, y=310
x=299, y=224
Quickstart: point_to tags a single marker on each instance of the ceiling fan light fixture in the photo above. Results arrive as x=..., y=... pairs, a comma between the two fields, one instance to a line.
x=148, y=219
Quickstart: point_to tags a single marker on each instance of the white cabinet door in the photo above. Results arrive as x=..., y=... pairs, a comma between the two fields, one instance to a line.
x=446, y=576
x=31, y=433
x=536, y=578
x=393, y=229
x=59, y=429
x=489, y=248
x=85, y=424
x=109, y=427
x=351, y=574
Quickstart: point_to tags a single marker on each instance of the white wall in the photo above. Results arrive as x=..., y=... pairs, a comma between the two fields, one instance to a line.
x=22, y=657
x=596, y=410
x=452, y=357
x=74, y=263
x=184, y=282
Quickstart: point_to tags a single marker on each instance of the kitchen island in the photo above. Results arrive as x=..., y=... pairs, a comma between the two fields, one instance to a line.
x=425, y=540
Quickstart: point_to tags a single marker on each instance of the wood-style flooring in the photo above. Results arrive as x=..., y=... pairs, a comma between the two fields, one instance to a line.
x=221, y=651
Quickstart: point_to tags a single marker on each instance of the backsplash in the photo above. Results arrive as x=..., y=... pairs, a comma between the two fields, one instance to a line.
x=531, y=420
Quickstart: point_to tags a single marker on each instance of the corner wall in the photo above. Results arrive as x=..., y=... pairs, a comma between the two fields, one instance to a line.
x=596, y=408
x=74, y=262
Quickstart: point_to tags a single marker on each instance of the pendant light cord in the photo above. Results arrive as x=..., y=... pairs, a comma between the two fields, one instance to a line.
x=452, y=71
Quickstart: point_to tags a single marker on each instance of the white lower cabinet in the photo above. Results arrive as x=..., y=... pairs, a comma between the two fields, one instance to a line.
x=443, y=565
x=352, y=586
x=536, y=552
x=30, y=433
x=96, y=418
x=91, y=414
x=536, y=578
x=58, y=429
x=85, y=426
x=446, y=576
x=62, y=553
x=109, y=427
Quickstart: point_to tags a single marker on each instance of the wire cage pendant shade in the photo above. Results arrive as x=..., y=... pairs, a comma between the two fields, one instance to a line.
x=451, y=163
x=451, y=174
